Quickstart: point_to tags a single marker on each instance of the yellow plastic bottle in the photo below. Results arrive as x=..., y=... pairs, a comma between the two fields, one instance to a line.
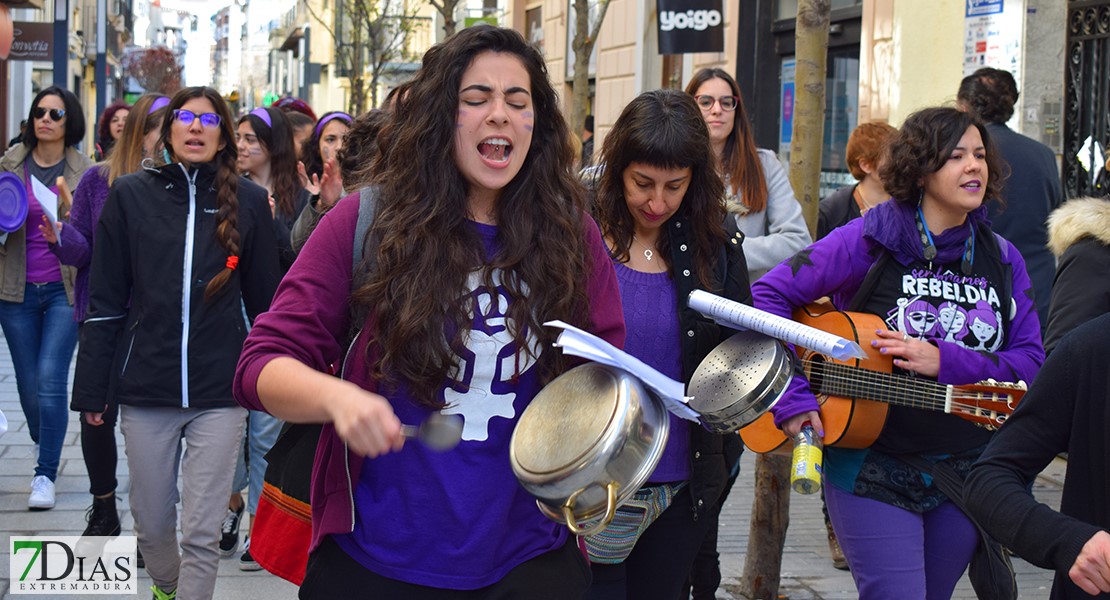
x=805, y=474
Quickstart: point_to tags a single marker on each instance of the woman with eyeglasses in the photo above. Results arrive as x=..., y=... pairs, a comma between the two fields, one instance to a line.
x=757, y=190
x=36, y=290
x=185, y=258
x=137, y=144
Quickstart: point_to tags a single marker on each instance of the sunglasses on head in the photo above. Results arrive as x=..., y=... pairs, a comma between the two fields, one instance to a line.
x=727, y=102
x=206, y=119
x=56, y=114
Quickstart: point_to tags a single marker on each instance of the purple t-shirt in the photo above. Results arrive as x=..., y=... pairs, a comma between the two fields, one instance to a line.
x=42, y=265
x=483, y=523
x=652, y=335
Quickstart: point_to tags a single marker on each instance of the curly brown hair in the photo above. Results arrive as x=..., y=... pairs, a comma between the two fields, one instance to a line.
x=227, y=177
x=923, y=145
x=740, y=161
x=424, y=250
x=990, y=94
x=663, y=128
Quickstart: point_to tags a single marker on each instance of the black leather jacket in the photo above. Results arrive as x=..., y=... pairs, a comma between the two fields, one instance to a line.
x=712, y=456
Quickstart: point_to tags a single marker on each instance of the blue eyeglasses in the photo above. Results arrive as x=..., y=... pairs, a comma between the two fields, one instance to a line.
x=186, y=117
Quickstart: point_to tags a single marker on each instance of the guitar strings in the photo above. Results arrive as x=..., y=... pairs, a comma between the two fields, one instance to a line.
x=856, y=382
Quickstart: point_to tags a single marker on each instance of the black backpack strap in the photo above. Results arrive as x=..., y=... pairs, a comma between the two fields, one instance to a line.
x=870, y=281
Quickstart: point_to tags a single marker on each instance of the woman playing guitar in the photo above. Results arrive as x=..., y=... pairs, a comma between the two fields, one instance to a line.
x=906, y=261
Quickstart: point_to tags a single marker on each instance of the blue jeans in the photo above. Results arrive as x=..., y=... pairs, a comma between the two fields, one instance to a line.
x=250, y=468
x=41, y=335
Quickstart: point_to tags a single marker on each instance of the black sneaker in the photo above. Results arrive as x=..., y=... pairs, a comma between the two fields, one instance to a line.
x=246, y=561
x=103, y=518
x=229, y=532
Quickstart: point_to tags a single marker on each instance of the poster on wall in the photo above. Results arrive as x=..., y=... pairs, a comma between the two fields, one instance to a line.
x=533, y=22
x=688, y=26
x=992, y=36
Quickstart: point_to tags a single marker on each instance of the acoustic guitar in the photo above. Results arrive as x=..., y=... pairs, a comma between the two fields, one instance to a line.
x=855, y=395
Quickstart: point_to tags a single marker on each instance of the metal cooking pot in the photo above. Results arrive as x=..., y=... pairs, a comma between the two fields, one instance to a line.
x=586, y=443
x=742, y=378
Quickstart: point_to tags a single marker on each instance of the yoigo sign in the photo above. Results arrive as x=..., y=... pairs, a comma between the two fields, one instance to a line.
x=687, y=26
x=73, y=565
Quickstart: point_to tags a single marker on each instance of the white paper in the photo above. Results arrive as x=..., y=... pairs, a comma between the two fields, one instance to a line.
x=736, y=315
x=49, y=202
x=576, y=342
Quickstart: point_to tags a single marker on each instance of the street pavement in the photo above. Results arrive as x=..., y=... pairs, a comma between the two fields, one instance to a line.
x=807, y=572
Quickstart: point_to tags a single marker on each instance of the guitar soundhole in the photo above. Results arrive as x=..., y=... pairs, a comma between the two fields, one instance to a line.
x=816, y=372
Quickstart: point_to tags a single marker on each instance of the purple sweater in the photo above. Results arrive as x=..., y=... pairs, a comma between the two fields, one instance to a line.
x=850, y=250
x=77, y=236
x=653, y=336
x=308, y=321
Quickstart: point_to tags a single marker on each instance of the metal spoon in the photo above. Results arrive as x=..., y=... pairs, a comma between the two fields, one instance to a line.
x=438, y=432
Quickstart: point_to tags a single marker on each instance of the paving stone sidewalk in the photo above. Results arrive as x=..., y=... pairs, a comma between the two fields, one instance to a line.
x=807, y=572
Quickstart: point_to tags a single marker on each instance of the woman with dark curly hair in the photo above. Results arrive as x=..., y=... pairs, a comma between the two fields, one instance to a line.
x=658, y=202
x=910, y=261
x=479, y=236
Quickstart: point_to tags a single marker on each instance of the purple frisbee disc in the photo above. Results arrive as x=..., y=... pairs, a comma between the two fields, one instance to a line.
x=13, y=202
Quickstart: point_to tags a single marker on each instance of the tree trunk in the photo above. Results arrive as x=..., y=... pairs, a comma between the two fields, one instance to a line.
x=585, y=38
x=767, y=535
x=811, y=43
x=771, y=509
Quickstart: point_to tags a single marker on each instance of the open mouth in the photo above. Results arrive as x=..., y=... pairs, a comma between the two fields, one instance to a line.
x=495, y=149
x=194, y=144
x=973, y=186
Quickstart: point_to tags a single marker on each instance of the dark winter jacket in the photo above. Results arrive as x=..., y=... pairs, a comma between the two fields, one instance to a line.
x=836, y=209
x=1065, y=411
x=712, y=456
x=1079, y=236
x=151, y=338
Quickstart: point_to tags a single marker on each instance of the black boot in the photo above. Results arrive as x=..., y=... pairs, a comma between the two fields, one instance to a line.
x=103, y=518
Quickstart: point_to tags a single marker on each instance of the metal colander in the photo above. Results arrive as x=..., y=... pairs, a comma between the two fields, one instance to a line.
x=742, y=378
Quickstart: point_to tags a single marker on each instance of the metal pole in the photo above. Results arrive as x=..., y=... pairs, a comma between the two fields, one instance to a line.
x=102, y=69
x=61, y=43
x=304, y=41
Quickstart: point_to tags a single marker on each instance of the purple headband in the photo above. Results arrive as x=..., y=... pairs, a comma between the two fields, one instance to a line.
x=157, y=104
x=335, y=115
x=262, y=114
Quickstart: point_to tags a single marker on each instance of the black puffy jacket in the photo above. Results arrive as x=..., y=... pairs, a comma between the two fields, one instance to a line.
x=151, y=339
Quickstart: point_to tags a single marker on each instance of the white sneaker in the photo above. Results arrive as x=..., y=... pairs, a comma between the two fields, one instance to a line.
x=42, y=493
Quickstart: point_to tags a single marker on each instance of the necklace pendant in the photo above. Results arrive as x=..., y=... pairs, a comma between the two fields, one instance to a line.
x=648, y=254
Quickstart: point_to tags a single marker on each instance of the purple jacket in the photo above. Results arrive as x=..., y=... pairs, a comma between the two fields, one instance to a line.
x=309, y=320
x=853, y=248
x=77, y=236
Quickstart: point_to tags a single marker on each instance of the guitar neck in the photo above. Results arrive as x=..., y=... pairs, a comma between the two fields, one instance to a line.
x=846, y=381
